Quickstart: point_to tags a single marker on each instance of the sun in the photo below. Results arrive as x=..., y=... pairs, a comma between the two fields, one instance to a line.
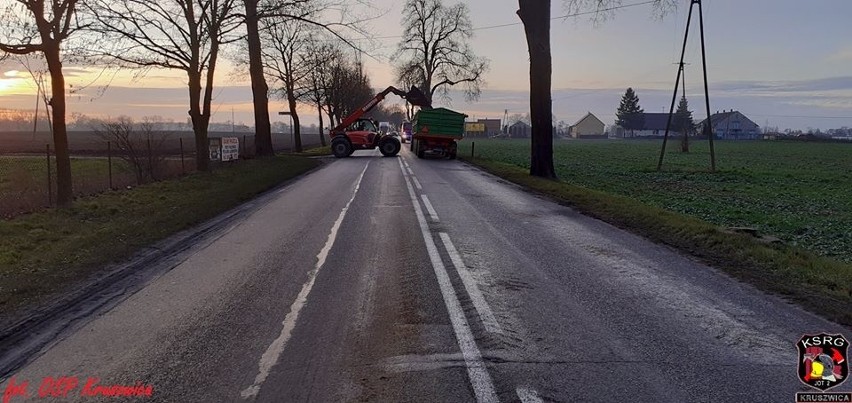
x=12, y=83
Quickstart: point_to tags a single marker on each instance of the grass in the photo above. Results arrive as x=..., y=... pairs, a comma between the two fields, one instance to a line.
x=23, y=180
x=793, y=191
x=315, y=152
x=798, y=192
x=43, y=252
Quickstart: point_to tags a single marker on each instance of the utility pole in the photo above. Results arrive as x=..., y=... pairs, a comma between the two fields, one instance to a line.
x=707, y=127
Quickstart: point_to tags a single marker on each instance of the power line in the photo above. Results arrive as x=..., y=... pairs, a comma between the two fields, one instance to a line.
x=512, y=24
x=802, y=116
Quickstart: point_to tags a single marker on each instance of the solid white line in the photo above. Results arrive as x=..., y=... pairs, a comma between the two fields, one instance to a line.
x=416, y=183
x=480, y=380
x=482, y=307
x=273, y=352
x=528, y=395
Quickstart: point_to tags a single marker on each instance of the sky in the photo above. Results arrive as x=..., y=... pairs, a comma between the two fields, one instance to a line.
x=785, y=63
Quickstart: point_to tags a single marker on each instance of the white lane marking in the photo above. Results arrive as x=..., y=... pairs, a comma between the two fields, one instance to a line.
x=273, y=352
x=409, y=173
x=401, y=166
x=480, y=380
x=432, y=213
x=479, y=303
x=528, y=395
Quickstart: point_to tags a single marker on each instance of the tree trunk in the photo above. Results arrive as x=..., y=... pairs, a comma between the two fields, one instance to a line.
x=202, y=155
x=321, y=128
x=259, y=88
x=297, y=127
x=535, y=14
x=64, y=192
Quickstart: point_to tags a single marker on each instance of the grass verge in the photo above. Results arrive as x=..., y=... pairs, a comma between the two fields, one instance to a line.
x=41, y=253
x=819, y=284
x=315, y=152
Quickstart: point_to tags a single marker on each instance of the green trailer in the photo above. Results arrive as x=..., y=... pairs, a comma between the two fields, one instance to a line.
x=437, y=131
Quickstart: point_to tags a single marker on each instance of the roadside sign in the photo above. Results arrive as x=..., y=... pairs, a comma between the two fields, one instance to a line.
x=215, y=147
x=230, y=148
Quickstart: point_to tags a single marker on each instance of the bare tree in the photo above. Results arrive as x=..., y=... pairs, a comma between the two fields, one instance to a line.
x=285, y=42
x=318, y=58
x=535, y=15
x=184, y=35
x=41, y=27
x=140, y=145
x=435, y=49
x=297, y=10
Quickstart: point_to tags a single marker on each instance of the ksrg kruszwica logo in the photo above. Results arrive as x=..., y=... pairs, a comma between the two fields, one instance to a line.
x=822, y=360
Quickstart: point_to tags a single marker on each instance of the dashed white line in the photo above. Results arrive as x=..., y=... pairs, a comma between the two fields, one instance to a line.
x=432, y=213
x=416, y=182
x=273, y=352
x=528, y=395
x=479, y=303
x=478, y=374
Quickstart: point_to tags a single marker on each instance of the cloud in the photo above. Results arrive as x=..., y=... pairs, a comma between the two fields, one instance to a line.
x=841, y=55
x=811, y=85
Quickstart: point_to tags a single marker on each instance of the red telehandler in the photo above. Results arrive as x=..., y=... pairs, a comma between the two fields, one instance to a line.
x=358, y=133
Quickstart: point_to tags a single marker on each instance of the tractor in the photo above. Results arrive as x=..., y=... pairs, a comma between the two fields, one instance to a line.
x=358, y=133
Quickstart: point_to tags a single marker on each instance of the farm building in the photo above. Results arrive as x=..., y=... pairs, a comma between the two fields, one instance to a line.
x=732, y=125
x=520, y=130
x=655, y=125
x=483, y=128
x=587, y=128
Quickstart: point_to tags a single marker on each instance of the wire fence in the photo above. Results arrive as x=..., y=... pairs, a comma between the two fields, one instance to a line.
x=28, y=164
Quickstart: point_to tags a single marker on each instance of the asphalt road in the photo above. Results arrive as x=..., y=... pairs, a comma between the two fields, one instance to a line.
x=398, y=279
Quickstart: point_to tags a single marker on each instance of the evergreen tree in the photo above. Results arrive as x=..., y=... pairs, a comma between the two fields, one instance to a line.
x=629, y=115
x=682, y=122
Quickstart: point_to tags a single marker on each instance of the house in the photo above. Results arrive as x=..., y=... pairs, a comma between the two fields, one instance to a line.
x=655, y=125
x=520, y=129
x=493, y=127
x=732, y=125
x=587, y=128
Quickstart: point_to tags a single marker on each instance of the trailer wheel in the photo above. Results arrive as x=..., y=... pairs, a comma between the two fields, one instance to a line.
x=421, y=153
x=341, y=147
x=454, y=148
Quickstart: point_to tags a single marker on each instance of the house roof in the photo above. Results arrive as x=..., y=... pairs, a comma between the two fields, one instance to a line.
x=656, y=121
x=520, y=123
x=721, y=116
x=587, y=116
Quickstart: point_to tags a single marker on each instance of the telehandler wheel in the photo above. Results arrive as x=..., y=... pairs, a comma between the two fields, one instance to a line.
x=341, y=147
x=389, y=146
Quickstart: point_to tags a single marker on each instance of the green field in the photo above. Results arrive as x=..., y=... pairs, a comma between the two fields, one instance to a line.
x=798, y=192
